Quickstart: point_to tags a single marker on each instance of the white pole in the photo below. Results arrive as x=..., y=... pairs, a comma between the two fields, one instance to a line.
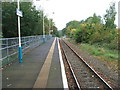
x=49, y=26
x=43, y=29
x=20, y=48
x=43, y=26
x=19, y=26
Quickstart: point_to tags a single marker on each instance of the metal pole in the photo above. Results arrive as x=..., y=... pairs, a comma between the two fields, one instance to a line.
x=43, y=29
x=49, y=26
x=20, y=48
x=7, y=51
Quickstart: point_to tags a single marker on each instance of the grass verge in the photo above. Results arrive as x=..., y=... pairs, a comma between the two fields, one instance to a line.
x=110, y=56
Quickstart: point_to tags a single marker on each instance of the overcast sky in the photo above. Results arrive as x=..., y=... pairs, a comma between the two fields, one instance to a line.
x=67, y=10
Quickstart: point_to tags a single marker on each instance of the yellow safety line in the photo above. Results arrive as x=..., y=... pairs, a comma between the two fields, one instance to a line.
x=41, y=81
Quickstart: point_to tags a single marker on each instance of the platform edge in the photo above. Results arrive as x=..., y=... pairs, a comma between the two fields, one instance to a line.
x=64, y=78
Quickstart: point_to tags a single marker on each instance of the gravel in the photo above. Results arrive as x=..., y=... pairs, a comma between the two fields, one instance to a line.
x=86, y=78
x=100, y=66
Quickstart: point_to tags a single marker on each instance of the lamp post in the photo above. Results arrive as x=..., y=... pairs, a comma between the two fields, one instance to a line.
x=50, y=25
x=43, y=24
x=43, y=29
x=19, y=13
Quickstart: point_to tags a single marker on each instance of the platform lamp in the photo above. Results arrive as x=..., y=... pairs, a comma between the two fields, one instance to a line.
x=43, y=23
x=43, y=28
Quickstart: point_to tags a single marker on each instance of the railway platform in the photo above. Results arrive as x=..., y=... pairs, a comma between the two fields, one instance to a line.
x=42, y=67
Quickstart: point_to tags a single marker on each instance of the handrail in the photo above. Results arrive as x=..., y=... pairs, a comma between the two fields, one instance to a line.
x=9, y=47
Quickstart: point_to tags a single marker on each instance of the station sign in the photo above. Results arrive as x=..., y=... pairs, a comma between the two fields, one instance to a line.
x=19, y=13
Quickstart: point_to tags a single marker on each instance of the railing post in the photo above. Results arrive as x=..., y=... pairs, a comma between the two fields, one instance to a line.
x=29, y=40
x=7, y=50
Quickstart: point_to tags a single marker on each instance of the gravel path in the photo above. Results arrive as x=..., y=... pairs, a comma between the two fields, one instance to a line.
x=100, y=66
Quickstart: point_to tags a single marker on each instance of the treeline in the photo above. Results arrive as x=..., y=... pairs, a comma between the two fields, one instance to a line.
x=31, y=22
x=95, y=30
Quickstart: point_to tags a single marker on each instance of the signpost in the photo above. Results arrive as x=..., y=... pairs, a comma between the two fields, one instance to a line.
x=19, y=13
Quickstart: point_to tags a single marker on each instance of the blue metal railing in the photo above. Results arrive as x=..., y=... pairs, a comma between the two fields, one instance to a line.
x=9, y=47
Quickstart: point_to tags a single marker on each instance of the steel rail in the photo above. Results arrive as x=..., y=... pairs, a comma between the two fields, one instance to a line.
x=76, y=81
x=90, y=67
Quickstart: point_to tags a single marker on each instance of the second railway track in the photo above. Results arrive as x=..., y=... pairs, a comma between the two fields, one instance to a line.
x=84, y=75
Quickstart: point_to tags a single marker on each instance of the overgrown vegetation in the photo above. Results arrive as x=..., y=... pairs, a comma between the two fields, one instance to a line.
x=95, y=50
x=31, y=22
x=97, y=36
x=95, y=30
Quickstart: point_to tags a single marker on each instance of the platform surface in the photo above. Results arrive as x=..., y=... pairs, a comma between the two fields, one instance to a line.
x=26, y=74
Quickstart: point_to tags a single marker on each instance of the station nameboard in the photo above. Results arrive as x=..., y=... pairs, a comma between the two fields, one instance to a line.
x=19, y=13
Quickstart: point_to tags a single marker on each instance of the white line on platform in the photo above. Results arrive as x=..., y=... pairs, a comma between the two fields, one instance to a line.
x=64, y=79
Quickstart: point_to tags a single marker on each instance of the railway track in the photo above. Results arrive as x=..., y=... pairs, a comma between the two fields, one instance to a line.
x=82, y=75
x=71, y=78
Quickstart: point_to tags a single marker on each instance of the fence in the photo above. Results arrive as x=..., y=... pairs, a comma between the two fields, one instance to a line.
x=9, y=47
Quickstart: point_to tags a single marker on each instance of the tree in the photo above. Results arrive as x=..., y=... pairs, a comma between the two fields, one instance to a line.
x=70, y=26
x=0, y=19
x=93, y=31
x=73, y=24
x=109, y=17
x=9, y=19
x=31, y=22
x=94, y=19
